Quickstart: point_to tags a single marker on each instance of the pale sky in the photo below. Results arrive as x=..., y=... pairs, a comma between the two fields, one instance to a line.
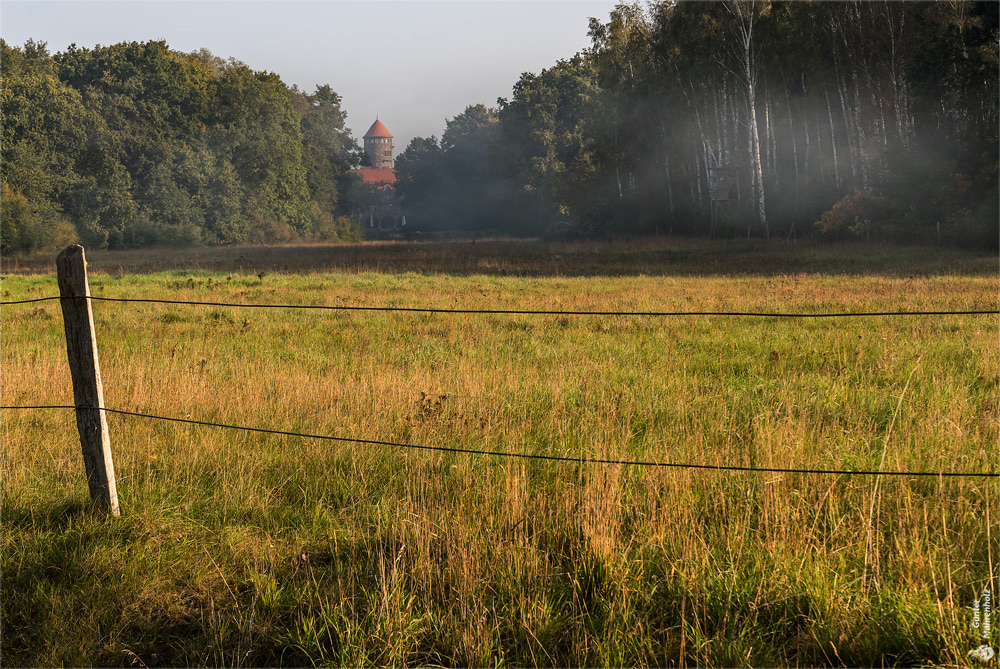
x=413, y=63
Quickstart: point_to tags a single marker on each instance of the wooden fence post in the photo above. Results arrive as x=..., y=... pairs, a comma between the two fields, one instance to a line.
x=88, y=393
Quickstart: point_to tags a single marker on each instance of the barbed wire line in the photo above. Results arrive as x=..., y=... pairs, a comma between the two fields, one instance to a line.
x=37, y=299
x=522, y=312
x=678, y=415
x=525, y=456
x=194, y=370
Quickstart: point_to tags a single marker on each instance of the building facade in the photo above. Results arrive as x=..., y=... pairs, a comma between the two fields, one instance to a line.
x=386, y=215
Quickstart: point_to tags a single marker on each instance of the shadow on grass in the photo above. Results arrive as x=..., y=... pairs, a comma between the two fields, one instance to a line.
x=79, y=590
x=48, y=517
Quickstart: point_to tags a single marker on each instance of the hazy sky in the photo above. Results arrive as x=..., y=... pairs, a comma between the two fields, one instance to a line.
x=414, y=63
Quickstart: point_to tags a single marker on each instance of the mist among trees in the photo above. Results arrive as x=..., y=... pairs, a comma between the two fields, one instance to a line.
x=846, y=120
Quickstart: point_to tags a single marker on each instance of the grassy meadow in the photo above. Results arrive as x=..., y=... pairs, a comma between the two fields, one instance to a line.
x=245, y=549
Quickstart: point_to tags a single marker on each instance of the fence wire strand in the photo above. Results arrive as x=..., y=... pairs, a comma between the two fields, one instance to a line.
x=672, y=411
x=37, y=299
x=525, y=456
x=521, y=312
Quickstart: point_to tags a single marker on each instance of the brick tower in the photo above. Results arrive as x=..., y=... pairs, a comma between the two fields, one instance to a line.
x=378, y=145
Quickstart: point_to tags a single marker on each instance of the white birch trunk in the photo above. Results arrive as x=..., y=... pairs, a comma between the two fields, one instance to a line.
x=833, y=138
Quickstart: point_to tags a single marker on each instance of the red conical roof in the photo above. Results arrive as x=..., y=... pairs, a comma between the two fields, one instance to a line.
x=377, y=130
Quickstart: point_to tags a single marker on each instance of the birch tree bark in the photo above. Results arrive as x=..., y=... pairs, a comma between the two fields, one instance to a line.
x=746, y=14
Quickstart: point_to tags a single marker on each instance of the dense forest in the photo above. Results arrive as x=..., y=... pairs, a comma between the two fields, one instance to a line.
x=838, y=120
x=137, y=145
x=873, y=120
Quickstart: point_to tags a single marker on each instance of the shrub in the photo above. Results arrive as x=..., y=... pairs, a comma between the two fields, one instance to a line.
x=29, y=226
x=852, y=215
x=330, y=229
x=269, y=231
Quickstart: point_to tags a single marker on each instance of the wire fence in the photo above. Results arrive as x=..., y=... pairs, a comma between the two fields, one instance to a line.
x=520, y=312
x=525, y=456
x=526, y=312
x=197, y=371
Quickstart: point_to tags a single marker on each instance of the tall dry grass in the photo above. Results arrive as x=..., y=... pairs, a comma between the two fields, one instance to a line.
x=248, y=549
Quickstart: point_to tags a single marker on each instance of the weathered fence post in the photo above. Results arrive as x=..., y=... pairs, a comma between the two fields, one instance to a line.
x=88, y=393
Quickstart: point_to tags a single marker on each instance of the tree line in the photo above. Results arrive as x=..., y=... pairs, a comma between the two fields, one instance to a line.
x=867, y=119
x=135, y=144
x=863, y=119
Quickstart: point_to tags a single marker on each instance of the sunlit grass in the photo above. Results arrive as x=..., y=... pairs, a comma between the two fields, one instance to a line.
x=248, y=549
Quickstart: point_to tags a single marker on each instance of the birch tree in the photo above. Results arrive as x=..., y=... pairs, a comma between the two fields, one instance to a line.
x=745, y=15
